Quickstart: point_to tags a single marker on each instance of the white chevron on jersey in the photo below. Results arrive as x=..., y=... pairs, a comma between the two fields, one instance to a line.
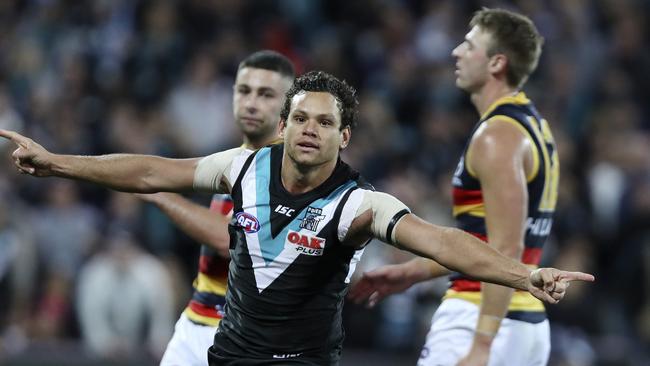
x=267, y=267
x=348, y=214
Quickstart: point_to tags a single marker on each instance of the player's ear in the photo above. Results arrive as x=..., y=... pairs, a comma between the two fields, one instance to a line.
x=282, y=125
x=498, y=63
x=346, y=133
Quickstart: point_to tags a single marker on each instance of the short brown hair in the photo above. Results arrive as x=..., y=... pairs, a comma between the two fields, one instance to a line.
x=269, y=60
x=513, y=35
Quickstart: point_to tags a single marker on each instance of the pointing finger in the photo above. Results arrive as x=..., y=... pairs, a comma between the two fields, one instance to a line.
x=14, y=137
x=577, y=276
x=10, y=135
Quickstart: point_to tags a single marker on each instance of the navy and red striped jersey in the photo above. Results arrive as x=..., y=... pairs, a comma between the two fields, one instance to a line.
x=206, y=305
x=542, y=184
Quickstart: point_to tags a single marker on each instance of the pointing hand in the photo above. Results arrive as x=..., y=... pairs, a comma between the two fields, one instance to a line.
x=30, y=157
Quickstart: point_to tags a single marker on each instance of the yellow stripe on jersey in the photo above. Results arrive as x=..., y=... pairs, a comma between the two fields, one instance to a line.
x=521, y=300
x=468, y=158
x=476, y=209
x=204, y=283
x=206, y=320
x=551, y=164
x=519, y=98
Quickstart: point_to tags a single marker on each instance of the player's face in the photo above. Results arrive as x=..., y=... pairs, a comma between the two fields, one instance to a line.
x=257, y=102
x=312, y=133
x=472, y=60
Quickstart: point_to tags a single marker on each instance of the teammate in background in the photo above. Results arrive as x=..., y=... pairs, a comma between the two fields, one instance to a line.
x=504, y=193
x=301, y=216
x=262, y=80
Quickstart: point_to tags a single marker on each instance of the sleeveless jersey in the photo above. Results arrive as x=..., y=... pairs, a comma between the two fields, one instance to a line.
x=542, y=184
x=209, y=297
x=289, y=270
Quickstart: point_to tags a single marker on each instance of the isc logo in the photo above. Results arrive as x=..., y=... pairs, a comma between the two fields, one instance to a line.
x=284, y=210
x=306, y=244
x=248, y=222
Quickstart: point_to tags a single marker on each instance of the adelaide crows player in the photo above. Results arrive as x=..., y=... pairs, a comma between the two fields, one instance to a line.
x=504, y=192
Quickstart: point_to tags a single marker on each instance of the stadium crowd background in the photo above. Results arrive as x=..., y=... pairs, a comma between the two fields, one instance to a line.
x=89, y=276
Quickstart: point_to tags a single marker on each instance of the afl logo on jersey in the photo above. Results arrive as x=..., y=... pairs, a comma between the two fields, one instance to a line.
x=248, y=222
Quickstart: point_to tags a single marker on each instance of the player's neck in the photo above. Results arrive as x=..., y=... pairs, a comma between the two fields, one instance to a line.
x=490, y=93
x=298, y=179
x=255, y=144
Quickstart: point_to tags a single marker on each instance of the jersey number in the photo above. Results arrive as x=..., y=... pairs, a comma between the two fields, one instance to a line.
x=551, y=165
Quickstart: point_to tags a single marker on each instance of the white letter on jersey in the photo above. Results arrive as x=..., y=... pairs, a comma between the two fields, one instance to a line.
x=284, y=210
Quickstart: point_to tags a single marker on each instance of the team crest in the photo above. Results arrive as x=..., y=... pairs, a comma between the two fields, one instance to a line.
x=312, y=217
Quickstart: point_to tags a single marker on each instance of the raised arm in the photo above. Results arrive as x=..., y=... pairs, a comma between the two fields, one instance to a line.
x=122, y=172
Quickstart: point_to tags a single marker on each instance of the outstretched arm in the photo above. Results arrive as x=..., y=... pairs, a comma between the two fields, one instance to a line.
x=464, y=253
x=123, y=172
x=383, y=216
x=204, y=225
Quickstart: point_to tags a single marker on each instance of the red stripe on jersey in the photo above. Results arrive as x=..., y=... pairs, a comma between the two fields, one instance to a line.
x=531, y=255
x=466, y=196
x=222, y=205
x=204, y=310
x=213, y=266
x=483, y=237
x=466, y=285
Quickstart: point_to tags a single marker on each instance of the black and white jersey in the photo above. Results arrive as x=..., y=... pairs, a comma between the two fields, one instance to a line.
x=289, y=270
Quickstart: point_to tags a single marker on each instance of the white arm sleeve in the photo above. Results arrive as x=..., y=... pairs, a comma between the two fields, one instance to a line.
x=214, y=173
x=386, y=213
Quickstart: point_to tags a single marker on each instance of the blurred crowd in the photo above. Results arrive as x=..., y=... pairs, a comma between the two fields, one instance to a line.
x=81, y=264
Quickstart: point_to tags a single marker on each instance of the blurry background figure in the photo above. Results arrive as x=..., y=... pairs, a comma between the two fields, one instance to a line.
x=65, y=231
x=18, y=264
x=200, y=117
x=125, y=302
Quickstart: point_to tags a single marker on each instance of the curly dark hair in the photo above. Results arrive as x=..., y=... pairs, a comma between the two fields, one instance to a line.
x=319, y=81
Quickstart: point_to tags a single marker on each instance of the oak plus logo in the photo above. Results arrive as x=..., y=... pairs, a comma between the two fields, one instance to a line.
x=306, y=244
x=248, y=222
x=312, y=217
